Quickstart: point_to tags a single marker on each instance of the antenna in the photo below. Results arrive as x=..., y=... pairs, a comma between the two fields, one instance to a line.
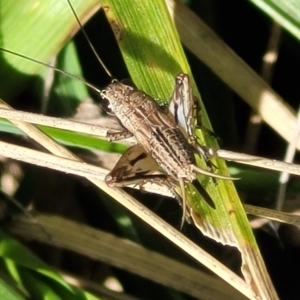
x=54, y=68
x=89, y=41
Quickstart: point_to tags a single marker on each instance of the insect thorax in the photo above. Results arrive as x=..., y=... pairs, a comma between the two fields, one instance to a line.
x=132, y=107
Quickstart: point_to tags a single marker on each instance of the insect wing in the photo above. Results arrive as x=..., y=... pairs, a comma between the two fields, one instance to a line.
x=133, y=164
x=181, y=105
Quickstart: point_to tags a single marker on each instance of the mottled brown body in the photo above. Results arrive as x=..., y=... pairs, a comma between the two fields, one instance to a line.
x=164, y=136
x=153, y=128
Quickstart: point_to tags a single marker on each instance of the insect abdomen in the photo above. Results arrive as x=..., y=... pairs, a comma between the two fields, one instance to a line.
x=169, y=148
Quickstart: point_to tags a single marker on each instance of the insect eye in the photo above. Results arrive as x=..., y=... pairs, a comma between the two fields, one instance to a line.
x=106, y=106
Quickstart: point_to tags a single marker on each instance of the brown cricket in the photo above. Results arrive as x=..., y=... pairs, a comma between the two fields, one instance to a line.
x=163, y=135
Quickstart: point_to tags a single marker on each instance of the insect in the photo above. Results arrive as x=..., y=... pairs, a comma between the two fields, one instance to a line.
x=160, y=133
x=165, y=137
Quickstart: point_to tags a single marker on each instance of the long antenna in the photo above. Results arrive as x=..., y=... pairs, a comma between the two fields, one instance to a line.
x=54, y=68
x=89, y=41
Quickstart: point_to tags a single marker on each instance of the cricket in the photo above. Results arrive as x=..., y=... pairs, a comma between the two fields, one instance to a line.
x=164, y=135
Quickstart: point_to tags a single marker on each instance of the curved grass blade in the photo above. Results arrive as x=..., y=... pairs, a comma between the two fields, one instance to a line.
x=284, y=13
x=153, y=54
x=29, y=273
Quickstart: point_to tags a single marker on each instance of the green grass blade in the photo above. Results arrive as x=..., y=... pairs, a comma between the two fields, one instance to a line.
x=285, y=13
x=35, y=30
x=7, y=293
x=33, y=275
x=153, y=54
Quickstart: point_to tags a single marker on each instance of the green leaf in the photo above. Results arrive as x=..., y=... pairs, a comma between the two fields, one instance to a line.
x=7, y=293
x=153, y=54
x=285, y=13
x=40, y=32
x=33, y=275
